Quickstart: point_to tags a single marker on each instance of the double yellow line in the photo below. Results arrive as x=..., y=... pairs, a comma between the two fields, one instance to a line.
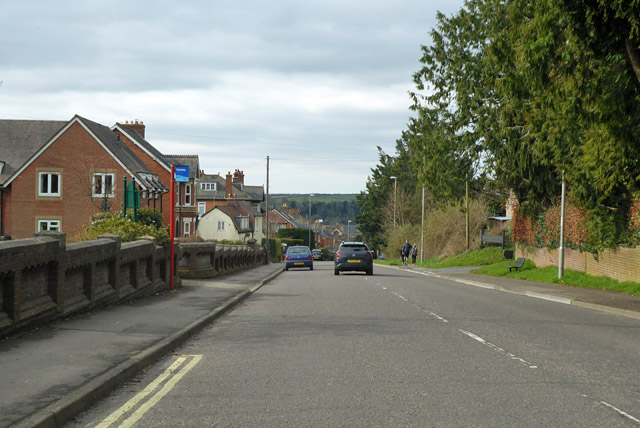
x=166, y=381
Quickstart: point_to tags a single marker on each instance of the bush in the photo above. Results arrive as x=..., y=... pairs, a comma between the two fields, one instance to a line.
x=125, y=227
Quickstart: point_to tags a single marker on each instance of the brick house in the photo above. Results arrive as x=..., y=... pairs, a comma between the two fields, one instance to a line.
x=186, y=216
x=214, y=191
x=56, y=175
x=132, y=134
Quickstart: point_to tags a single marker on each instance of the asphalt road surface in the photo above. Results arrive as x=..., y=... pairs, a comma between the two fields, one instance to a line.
x=395, y=349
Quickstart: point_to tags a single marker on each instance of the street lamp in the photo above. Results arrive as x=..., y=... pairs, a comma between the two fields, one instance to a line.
x=349, y=230
x=395, y=194
x=309, y=219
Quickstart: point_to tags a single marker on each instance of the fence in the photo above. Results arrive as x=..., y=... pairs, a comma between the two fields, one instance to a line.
x=208, y=259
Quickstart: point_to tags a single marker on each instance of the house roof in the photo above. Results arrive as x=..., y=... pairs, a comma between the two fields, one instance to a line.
x=21, y=139
x=143, y=144
x=233, y=212
x=139, y=169
x=21, y=142
x=192, y=161
x=241, y=192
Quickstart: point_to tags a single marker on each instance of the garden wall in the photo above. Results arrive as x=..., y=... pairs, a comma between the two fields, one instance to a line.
x=622, y=264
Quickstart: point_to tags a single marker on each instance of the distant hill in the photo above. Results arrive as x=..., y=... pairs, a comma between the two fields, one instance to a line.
x=331, y=208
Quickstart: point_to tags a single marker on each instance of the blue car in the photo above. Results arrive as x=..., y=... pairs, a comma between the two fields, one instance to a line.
x=298, y=256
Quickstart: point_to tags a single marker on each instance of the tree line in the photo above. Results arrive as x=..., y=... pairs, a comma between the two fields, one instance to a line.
x=510, y=96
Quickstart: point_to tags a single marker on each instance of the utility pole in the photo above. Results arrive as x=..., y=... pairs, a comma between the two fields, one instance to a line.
x=267, y=211
x=561, y=249
x=466, y=195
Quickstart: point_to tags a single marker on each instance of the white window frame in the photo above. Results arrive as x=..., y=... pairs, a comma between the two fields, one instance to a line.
x=49, y=225
x=208, y=186
x=187, y=194
x=187, y=229
x=49, y=191
x=202, y=208
x=221, y=225
x=103, y=176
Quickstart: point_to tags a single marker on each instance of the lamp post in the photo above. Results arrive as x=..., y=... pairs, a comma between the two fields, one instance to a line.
x=395, y=195
x=309, y=219
x=349, y=230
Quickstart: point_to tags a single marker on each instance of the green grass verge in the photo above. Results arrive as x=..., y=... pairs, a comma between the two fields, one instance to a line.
x=479, y=257
x=550, y=274
x=493, y=265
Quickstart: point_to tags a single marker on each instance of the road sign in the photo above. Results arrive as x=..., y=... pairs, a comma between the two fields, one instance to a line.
x=182, y=174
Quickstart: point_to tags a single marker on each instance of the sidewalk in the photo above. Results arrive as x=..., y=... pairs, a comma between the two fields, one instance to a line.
x=600, y=300
x=51, y=374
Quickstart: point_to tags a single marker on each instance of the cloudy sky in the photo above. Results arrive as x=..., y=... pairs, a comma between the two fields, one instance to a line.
x=314, y=85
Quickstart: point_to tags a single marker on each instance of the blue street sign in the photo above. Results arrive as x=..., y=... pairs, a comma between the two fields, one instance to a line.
x=182, y=174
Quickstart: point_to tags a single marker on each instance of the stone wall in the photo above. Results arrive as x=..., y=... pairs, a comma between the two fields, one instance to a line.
x=622, y=264
x=43, y=278
x=208, y=259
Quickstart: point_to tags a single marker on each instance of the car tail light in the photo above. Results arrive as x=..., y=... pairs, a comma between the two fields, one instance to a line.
x=339, y=255
x=368, y=255
x=310, y=257
x=287, y=258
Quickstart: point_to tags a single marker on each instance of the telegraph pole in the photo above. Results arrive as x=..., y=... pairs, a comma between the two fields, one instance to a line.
x=267, y=211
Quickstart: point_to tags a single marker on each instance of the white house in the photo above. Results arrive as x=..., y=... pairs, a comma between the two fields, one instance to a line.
x=237, y=222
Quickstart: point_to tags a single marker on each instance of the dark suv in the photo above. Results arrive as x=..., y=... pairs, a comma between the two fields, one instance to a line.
x=353, y=256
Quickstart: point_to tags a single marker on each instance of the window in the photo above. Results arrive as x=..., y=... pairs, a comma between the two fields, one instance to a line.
x=187, y=194
x=243, y=222
x=202, y=207
x=208, y=186
x=221, y=225
x=49, y=184
x=187, y=229
x=103, y=185
x=48, y=225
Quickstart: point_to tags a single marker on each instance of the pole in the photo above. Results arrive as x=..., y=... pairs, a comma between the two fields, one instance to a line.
x=561, y=249
x=466, y=195
x=180, y=228
x=309, y=218
x=395, y=197
x=422, y=229
x=172, y=223
x=124, y=200
x=267, y=210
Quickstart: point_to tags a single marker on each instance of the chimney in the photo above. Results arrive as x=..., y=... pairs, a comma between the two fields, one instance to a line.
x=136, y=126
x=229, y=185
x=238, y=177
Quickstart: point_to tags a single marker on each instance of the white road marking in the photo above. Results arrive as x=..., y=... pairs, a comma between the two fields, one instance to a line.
x=497, y=348
x=549, y=297
x=620, y=412
x=173, y=373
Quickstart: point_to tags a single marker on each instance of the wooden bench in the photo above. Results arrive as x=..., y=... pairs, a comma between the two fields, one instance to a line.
x=518, y=264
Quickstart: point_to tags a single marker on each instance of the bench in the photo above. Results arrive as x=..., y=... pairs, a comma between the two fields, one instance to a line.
x=518, y=264
x=492, y=239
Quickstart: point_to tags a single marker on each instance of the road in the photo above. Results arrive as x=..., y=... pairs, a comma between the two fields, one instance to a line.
x=395, y=349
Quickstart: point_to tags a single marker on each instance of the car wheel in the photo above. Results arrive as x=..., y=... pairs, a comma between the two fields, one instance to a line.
x=370, y=271
x=286, y=268
x=311, y=267
x=336, y=272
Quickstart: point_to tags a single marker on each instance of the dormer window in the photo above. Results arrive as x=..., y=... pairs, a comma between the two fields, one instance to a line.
x=208, y=186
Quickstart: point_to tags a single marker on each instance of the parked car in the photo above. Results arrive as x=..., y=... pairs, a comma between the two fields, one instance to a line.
x=353, y=256
x=317, y=254
x=298, y=256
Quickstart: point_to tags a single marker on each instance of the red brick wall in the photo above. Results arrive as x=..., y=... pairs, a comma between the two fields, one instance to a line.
x=77, y=155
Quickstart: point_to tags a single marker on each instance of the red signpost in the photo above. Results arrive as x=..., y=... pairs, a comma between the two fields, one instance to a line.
x=172, y=222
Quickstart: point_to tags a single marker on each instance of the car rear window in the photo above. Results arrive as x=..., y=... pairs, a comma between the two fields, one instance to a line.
x=353, y=248
x=298, y=250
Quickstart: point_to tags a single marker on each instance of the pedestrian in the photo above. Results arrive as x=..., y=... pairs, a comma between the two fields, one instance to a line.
x=406, y=251
x=414, y=254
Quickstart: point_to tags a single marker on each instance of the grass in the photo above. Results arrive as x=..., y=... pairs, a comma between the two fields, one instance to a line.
x=479, y=257
x=490, y=258
x=550, y=274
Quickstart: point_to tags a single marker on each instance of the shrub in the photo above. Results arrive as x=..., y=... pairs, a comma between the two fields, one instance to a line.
x=125, y=227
